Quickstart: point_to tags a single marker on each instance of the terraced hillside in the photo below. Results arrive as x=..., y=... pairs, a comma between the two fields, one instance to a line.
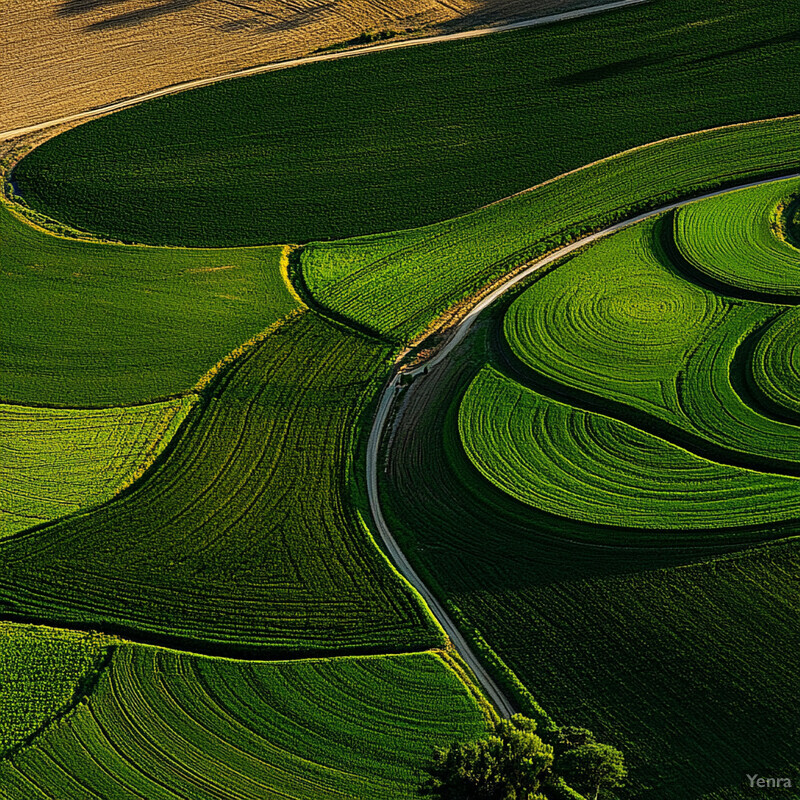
x=411, y=137
x=163, y=724
x=605, y=514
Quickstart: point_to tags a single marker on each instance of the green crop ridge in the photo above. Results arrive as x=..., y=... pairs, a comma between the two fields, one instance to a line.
x=622, y=324
x=397, y=283
x=89, y=324
x=735, y=239
x=56, y=461
x=242, y=539
x=592, y=468
x=163, y=725
x=646, y=645
x=310, y=153
x=776, y=363
x=43, y=672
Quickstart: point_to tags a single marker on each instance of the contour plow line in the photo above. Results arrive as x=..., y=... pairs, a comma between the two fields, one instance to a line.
x=500, y=701
x=298, y=62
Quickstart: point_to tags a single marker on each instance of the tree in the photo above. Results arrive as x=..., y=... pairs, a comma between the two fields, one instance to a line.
x=592, y=767
x=510, y=764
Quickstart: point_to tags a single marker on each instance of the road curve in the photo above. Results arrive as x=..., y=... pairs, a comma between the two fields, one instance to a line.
x=297, y=62
x=500, y=701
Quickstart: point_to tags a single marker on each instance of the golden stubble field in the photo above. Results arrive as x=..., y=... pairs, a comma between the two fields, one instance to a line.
x=66, y=56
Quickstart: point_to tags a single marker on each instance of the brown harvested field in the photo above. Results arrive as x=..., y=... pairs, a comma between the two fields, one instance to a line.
x=66, y=56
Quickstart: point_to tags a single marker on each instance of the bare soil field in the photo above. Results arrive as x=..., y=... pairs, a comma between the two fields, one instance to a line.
x=65, y=56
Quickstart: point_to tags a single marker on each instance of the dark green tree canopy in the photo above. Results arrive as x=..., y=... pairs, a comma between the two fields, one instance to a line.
x=510, y=764
x=592, y=767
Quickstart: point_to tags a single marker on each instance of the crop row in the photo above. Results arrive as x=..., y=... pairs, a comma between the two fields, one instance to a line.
x=410, y=137
x=736, y=239
x=593, y=468
x=242, y=539
x=42, y=671
x=56, y=461
x=90, y=324
x=669, y=651
x=397, y=283
x=622, y=324
x=776, y=364
x=166, y=725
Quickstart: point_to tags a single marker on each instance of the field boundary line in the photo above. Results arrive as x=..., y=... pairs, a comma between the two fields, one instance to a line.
x=390, y=391
x=118, y=105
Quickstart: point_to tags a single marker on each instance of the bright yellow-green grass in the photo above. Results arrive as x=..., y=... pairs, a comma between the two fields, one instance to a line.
x=92, y=324
x=736, y=239
x=54, y=461
x=398, y=282
x=621, y=323
x=592, y=468
x=776, y=361
x=163, y=725
x=43, y=671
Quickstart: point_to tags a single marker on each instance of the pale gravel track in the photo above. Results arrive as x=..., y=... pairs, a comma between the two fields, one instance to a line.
x=494, y=693
x=297, y=62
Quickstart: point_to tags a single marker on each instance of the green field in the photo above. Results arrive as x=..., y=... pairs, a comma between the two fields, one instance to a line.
x=584, y=486
x=672, y=655
x=397, y=283
x=775, y=366
x=43, y=673
x=54, y=461
x=593, y=468
x=243, y=540
x=734, y=239
x=163, y=725
x=87, y=324
x=405, y=138
x=585, y=327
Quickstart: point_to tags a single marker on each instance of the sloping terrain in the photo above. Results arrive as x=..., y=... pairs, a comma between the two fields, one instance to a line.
x=410, y=137
x=54, y=461
x=598, y=497
x=164, y=725
x=93, y=324
x=243, y=540
x=71, y=55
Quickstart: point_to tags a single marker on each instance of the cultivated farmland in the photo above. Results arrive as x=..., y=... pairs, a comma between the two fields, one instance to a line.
x=732, y=239
x=398, y=283
x=55, y=461
x=44, y=672
x=593, y=468
x=243, y=539
x=70, y=55
x=144, y=323
x=617, y=451
x=163, y=724
x=411, y=137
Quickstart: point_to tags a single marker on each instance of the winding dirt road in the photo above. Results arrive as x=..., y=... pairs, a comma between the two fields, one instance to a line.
x=297, y=62
x=500, y=701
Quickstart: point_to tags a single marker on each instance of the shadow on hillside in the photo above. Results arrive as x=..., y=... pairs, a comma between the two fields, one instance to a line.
x=267, y=22
x=127, y=19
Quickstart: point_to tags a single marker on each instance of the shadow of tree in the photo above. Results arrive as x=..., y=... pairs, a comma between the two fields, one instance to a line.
x=269, y=22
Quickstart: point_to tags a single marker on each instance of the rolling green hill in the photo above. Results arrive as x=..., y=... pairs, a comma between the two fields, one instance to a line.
x=166, y=725
x=88, y=324
x=243, y=540
x=405, y=138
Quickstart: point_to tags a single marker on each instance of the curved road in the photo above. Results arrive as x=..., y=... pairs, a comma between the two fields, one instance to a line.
x=500, y=701
x=297, y=62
